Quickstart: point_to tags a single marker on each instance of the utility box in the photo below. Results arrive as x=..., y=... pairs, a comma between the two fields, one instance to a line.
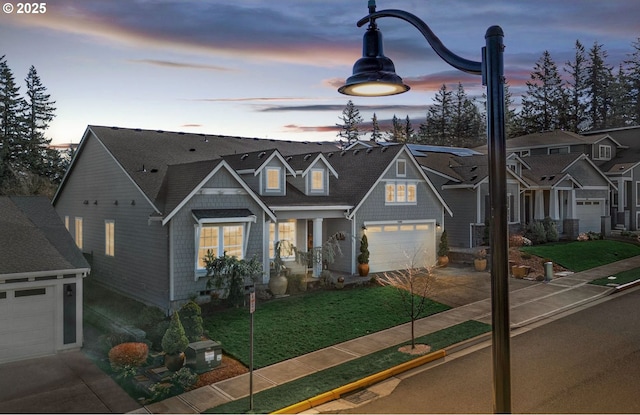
x=203, y=355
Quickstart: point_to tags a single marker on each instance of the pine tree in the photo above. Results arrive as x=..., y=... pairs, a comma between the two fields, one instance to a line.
x=599, y=78
x=12, y=107
x=439, y=118
x=544, y=102
x=408, y=133
x=577, y=90
x=376, y=135
x=466, y=121
x=396, y=133
x=633, y=75
x=352, y=119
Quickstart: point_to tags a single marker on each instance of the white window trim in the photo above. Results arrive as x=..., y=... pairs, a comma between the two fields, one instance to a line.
x=607, y=149
x=245, y=222
x=403, y=163
x=395, y=184
x=324, y=184
x=525, y=153
x=558, y=148
x=266, y=181
x=276, y=237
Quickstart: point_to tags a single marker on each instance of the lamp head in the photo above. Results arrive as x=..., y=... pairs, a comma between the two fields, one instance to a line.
x=374, y=74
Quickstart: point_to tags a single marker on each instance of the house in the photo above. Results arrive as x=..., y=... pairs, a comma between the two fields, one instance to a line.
x=568, y=188
x=623, y=168
x=41, y=275
x=146, y=206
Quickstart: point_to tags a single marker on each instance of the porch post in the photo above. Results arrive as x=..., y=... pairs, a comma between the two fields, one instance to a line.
x=317, y=246
x=539, y=205
x=553, y=204
x=571, y=204
x=622, y=197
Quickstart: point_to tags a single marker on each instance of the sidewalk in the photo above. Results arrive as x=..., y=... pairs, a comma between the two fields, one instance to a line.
x=462, y=288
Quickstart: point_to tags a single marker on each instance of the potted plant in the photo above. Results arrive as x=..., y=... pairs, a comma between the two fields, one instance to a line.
x=363, y=257
x=340, y=282
x=278, y=281
x=480, y=260
x=174, y=343
x=443, y=250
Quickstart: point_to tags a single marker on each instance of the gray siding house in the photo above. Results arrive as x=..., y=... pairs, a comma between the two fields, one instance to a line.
x=41, y=281
x=146, y=205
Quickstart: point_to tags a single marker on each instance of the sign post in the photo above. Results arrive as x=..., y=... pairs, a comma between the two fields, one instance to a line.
x=252, y=309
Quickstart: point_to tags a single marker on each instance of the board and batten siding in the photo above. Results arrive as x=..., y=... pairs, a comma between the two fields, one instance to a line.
x=183, y=226
x=139, y=267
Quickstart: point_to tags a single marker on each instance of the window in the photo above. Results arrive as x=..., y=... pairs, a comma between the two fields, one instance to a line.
x=66, y=222
x=401, y=193
x=511, y=208
x=317, y=180
x=281, y=231
x=637, y=193
x=31, y=292
x=559, y=150
x=109, y=237
x=604, y=152
x=524, y=153
x=78, y=231
x=220, y=239
x=401, y=168
x=273, y=178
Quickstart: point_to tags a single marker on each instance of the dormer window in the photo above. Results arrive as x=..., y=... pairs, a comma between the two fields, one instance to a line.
x=273, y=178
x=317, y=180
x=604, y=152
x=401, y=168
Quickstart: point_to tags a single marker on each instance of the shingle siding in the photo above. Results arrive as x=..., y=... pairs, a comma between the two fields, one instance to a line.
x=140, y=264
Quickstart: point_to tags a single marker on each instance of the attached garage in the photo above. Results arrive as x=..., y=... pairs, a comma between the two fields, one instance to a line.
x=396, y=246
x=589, y=213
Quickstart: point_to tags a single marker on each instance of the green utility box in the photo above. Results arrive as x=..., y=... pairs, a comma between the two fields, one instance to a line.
x=203, y=355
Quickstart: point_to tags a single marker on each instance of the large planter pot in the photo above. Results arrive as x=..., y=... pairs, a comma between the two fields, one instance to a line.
x=520, y=271
x=480, y=264
x=363, y=270
x=278, y=285
x=443, y=261
x=174, y=362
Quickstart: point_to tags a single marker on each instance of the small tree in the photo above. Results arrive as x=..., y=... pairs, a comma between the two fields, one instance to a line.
x=412, y=284
x=443, y=248
x=228, y=273
x=192, y=321
x=174, y=340
x=363, y=257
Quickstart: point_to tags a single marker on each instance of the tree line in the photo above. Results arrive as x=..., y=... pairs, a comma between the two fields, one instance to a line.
x=586, y=93
x=27, y=164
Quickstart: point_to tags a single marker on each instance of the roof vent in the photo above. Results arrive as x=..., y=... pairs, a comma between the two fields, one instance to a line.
x=384, y=149
x=329, y=155
x=551, y=177
x=356, y=151
x=289, y=158
x=369, y=150
x=473, y=178
x=153, y=170
x=543, y=177
x=244, y=156
x=473, y=168
x=159, y=131
x=262, y=154
x=192, y=149
x=307, y=157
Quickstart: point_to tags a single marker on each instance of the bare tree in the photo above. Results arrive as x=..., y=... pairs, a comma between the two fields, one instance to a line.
x=413, y=284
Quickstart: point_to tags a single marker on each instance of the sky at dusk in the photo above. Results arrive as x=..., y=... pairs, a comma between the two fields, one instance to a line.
x=270, y=69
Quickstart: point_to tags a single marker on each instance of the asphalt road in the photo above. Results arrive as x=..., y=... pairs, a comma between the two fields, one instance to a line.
x=586, y=362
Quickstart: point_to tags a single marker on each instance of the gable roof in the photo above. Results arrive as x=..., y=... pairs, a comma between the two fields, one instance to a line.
x=39, y=242
x=550, y=169
x=555, y=138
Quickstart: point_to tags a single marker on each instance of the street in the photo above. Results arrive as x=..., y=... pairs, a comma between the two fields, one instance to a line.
x=586, y=362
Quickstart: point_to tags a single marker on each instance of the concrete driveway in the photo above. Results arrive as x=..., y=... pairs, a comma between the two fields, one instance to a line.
x=65, y=383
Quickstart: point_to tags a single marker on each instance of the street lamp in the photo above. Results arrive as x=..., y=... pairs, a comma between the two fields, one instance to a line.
x=374, y=75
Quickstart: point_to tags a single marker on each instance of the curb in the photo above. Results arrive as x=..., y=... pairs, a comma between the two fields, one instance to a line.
x=627, y=285
x=360, y=384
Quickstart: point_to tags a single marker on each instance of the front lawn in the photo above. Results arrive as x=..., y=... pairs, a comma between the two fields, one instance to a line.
x=619, y=279
x=289, y=327
x=580, y=256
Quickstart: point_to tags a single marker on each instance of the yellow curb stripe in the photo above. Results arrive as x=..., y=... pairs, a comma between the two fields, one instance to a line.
x=359, y=384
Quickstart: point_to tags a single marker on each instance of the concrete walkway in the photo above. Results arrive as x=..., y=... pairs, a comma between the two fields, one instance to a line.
x=462, y=288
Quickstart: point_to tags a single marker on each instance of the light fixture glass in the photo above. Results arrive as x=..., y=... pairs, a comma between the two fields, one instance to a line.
x=373, y=89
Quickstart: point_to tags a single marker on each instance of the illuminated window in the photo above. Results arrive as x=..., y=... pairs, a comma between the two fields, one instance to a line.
x=220, y=239
x=273, y=178
x=78, y=232
x=285, y=231
x=401, y=193
x=109, y=237
x=66, y=222
x=412, y=193
x=317, y=180
x=390, y=193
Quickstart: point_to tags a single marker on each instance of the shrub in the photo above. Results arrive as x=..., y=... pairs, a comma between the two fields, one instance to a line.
x=150, y=316
x=155, y=334
x=443, y=248
x=551, y=232
x=516, y=240
x=183, y=379
x=363, y=257
x=536, y=233
x=174, y=340
x=191, y=318
x=128, y=355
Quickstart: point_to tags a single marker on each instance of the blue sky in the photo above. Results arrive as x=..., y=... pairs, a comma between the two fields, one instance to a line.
x=270, y=69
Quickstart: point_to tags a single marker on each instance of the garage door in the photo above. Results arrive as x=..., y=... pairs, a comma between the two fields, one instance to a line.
x=398, y=246
x=26, y=323
x=589, y=213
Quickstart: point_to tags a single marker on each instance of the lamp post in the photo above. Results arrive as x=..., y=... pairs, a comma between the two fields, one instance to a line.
x=374, y=75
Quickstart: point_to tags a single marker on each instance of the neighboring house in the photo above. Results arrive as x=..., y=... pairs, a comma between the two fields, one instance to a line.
x=624, y=170
x=568, y=188
x=147, y=205
x=41, y=275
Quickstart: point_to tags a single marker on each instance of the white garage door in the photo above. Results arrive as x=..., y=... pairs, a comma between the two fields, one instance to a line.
x=589, y=213
x=400, y=246
x=26, y=323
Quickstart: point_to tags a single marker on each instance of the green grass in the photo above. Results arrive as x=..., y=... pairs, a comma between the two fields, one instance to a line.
x=621, y=278
x=293, y=326
x=580, y=256
x=295, y=391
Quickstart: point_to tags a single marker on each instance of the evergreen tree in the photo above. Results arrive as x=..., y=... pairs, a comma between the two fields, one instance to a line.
x=511, y=117
x=396, y=133
x=466, y=121
x=350, y=130
x=12, y=107
x=599, y=78
x=439, y=118
x=633, y=75
x=621, y=100
x=408, y=133
x=376, y=135
x=544, y=102
x=577, y=90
